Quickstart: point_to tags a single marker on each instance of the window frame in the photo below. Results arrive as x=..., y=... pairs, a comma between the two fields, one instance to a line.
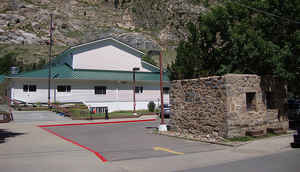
x=100, y=90
x=32, y=88
x=25, y=88
x=251, y=102
x=29, y=88
x=64, y=88
x=139, y=90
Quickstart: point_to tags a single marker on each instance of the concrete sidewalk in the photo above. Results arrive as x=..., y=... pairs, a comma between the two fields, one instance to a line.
x=29, y=148
x=36, y=150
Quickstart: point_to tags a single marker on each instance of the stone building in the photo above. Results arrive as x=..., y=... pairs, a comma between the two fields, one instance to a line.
x=228, y=106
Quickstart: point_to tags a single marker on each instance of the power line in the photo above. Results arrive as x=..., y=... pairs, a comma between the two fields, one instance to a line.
x=266, y=13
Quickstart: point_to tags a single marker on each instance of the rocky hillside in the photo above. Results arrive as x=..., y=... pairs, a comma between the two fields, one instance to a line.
x=144, y=24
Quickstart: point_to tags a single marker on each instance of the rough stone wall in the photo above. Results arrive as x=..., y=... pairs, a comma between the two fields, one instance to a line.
x=241, y=119
x=217, y=106
x=199, y=106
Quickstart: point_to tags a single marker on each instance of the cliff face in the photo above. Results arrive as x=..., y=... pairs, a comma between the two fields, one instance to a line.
x=145, y=24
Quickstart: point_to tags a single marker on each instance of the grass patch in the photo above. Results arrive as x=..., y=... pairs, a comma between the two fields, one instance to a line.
x=240, y=139
x=32, y=108
x=83, y=113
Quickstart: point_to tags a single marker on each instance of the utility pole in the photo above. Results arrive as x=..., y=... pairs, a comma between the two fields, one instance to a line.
x=50, y=62
x=133, y=88
x=162, y=126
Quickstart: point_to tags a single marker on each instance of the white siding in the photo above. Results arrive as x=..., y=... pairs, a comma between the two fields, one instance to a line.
x=119, y=96
x=107, y=58
x=41, y=94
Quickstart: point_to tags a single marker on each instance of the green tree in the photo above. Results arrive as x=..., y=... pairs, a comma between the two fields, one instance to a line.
x=41, y=63
x=149, y=60
x=7, y=61
x=256, y=37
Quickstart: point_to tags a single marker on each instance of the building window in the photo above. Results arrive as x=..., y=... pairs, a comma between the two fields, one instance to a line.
x=166, y=90
x=251, y=101
x=269, y=100
x=139, y=89
x=100, y=90
x=29, y=88
x=63, y=88
x=32, y=88
x=25, y=88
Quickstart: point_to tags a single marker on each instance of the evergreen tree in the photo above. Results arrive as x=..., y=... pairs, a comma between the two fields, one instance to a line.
x=256, y=37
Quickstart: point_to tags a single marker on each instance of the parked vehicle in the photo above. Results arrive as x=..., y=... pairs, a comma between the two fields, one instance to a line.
x=294, y=109
x=167, y=111
x=293, y=113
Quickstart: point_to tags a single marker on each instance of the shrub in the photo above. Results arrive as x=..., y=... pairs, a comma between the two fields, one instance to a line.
x=151, y=106
x=4, y=117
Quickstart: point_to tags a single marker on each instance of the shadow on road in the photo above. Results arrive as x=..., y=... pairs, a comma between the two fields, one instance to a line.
x=5, y=134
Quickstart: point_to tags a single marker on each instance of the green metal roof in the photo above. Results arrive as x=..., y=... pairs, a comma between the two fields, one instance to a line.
x=66, y=72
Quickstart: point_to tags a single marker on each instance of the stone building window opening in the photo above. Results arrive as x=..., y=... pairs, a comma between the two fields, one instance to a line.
x=251, y=101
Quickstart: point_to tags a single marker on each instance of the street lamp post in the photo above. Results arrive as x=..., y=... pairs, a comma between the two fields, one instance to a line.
x=162, y=126
x=50, y=54
x=134, y=102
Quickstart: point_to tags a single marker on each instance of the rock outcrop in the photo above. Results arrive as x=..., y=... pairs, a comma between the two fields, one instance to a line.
x=145, y=25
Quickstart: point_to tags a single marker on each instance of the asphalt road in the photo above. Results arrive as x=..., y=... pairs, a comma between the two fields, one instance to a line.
x=280, y=162
x=118, y=142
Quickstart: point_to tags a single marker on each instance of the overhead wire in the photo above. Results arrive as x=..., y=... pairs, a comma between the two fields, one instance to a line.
x=265, y=12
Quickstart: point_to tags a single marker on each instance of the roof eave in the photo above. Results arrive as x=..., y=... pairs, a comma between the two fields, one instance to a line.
x=104, y=39
x=85, y=79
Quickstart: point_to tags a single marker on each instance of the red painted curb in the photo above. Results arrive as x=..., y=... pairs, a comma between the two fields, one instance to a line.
x=112, y=122
x=77, y=144
x=82, y=146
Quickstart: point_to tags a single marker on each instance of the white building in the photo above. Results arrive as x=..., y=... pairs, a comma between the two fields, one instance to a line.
x=99, y=74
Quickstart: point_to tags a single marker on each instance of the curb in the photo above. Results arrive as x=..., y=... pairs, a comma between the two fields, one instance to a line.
x=93, y=123
x=229, y=144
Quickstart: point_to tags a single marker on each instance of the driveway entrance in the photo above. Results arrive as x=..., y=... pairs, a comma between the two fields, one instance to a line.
x=125, y=141
x=32, y=116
